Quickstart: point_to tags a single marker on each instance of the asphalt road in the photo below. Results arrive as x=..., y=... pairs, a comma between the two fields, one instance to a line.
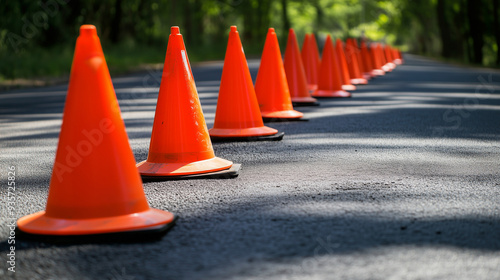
x=401, y=181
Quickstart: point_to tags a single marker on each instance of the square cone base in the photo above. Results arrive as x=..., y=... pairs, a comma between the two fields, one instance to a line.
x=229, y=173
x=268, y=120
x=275, y=137
x=142, y=235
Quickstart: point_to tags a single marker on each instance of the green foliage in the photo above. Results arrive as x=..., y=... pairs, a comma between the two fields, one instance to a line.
x=37, y=37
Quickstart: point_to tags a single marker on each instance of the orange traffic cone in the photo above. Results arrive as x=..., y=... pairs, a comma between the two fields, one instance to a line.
x=329, y=83
x=394, y=54
x=95, y=191
x=385, y=66
x=180, y=145
x=344, y=72
x=352, y=63
x=368, y=68
x=295, y=73
x=359, y=57
x=376, y=62
x=271, y=86
x=237, y=117
x=310, y=58
x=388, y=57
x=397, y=56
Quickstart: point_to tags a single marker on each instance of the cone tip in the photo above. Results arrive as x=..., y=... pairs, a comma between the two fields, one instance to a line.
x=233, y=28
x=174, y=30
x=271, y=29
x=88, y=29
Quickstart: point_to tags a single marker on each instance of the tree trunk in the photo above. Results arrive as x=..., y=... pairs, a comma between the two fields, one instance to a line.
x=173, y=13
x=476, y=29
x=444, y=29
x=466, y=31
x=286, y=20
x=248, y=21
x=116, y=22
x=320, y=14
x=187, y=22
x=496, y=27
x=263, y=19
x=198, y=22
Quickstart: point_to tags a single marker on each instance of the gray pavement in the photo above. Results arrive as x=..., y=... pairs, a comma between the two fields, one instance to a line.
x=402, y=181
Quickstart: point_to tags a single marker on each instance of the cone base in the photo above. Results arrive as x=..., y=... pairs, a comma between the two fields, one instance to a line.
x=275, y=137
x=387, y=68
x=304, y=99
x=359, y=81
x=378, y=72
x=305, y=104
x=286, y=114
x=331, y=93
x=268, y=120
x=147, y=168
x=242, y=132
x=152, y=221
x=230, y=173
x=134, y=236
x=349, y=87
x=368, y=76
x=398, y=61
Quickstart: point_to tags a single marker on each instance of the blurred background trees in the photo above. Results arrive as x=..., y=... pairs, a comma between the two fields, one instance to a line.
x=37, y=37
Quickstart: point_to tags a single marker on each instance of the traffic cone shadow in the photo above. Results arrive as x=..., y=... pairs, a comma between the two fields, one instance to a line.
x=344, y=72
x=329, y=83
x=310, y=59
x=271, y=86
x=296, y=75
x=180, y=146
x=95, y=193
x=238, y=117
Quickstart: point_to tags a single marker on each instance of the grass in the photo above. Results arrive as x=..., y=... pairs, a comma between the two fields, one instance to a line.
x=35, y=67
x=55, y=63
x=35, y=63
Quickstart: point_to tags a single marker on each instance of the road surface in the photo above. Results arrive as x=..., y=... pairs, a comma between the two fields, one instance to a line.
x=401, y=181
